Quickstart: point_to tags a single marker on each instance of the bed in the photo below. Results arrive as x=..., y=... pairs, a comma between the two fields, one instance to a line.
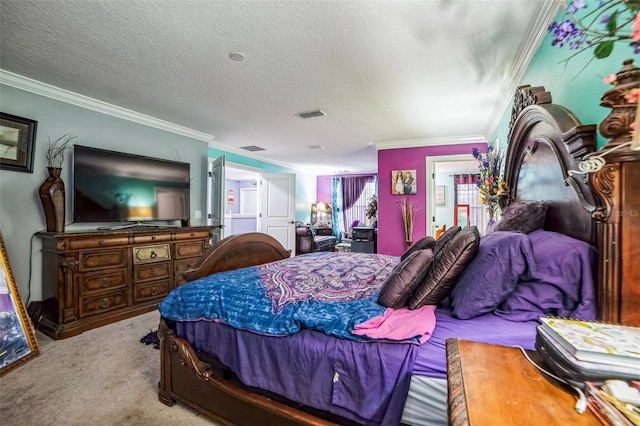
x=307, y=376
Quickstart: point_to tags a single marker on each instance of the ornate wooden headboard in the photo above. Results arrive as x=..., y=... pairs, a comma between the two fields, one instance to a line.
x=546, y=141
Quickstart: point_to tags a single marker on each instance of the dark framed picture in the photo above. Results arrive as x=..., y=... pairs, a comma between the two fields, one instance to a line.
x=17, y=143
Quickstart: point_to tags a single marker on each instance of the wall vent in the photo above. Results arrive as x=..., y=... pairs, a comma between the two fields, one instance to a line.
x=252, y=148
x=311, y=114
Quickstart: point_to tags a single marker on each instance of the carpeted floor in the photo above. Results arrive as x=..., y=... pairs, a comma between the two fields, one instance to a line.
x=105, y=376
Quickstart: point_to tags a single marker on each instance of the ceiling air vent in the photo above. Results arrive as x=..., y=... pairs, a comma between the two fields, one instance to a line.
x=311, y=114
x=252, y=148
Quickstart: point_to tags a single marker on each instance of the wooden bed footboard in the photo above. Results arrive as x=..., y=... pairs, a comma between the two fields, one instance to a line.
x=237, y=251
x=185, y=378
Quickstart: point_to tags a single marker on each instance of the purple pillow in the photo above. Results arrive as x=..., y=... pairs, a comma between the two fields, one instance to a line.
x=562, y=284
x=523, y=216
x=404, y=279
x=502, y=259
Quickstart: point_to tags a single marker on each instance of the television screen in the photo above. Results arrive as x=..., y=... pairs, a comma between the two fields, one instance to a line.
x=111, y=186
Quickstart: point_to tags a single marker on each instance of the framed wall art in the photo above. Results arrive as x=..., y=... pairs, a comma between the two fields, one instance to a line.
x=17, y=336
x=440, y=197
x=403, y=182
x=17, y=143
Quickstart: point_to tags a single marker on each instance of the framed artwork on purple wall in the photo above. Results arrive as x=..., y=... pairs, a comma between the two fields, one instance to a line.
x=403, y=182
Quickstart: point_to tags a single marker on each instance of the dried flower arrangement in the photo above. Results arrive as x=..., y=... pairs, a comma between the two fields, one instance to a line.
x=55, y=151
x=408, y=213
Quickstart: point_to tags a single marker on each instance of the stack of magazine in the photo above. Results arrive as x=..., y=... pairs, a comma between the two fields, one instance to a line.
x=601, y=358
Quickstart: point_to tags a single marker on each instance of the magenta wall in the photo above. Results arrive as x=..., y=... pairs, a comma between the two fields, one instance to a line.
x=391, y=238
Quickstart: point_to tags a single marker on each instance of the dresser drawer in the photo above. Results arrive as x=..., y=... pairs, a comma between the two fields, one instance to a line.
x=192, y=234
x=154, y=253
x=95, y=242
x=180, y=266
x=146, y=239
x=103, y=280
x=154, y=290
x=191, y=249
x=151, y=271
x=93, y=305
x=93, y=260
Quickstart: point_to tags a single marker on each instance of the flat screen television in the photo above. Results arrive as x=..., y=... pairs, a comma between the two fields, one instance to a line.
x=110, y=186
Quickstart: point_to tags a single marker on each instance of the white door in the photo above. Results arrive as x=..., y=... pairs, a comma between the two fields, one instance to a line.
x=215, y=197
x=278, y=207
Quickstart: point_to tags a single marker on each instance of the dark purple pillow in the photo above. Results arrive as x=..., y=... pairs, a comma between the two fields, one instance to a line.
x=423, y=243
x=503, y=258
x=445, y=239
x=562, y=284
x=404, y=279
x=445, y=269
x=523, y=216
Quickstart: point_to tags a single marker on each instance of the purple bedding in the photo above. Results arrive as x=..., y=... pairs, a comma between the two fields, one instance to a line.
x=363, y=382
x=367, y=382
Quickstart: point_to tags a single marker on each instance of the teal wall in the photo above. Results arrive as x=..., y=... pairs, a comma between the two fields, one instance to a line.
x=21, y=213
x=576, y=84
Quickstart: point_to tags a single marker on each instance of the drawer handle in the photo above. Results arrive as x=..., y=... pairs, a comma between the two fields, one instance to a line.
x=153, y=238
x=154, y=291
x=153, y=255
x=101, y=242
x=105, y=282
x=105, y=303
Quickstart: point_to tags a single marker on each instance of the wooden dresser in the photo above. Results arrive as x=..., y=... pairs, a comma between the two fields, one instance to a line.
x=93, y=278
x=496, y=385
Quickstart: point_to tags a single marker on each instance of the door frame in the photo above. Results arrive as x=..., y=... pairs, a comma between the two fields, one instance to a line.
x=430, y=164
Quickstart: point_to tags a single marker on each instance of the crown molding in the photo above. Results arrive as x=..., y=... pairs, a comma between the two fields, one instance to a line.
x=448, y=140
x=39, y=88
x=534, y=36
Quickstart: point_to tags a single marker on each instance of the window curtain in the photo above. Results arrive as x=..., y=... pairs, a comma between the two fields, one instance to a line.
x=352, y=187
x=466, y=192
x=338, y=212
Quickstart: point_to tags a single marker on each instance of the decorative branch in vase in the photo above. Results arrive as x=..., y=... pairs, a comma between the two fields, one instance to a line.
x=491, y=185
x=52, y=189
x=408, y=213
x=55, y=151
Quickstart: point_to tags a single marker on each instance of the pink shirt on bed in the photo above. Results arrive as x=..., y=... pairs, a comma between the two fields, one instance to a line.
x=400, y=324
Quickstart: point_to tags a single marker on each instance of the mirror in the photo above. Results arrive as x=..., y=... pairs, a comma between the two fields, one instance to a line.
x=17, y=337
x=321, y=215
x=461, y=215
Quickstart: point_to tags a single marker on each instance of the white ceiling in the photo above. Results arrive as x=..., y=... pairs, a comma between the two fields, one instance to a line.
x=386, y=73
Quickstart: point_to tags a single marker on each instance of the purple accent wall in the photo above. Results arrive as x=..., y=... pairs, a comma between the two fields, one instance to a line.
x=391, y=238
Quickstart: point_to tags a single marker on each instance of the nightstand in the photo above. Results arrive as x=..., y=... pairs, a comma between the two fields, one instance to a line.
x=496, y=385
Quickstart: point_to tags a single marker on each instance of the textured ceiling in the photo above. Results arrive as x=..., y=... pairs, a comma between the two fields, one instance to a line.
x=387, y=73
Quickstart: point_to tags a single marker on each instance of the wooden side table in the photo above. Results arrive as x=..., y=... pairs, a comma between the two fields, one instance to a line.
x=496, y=385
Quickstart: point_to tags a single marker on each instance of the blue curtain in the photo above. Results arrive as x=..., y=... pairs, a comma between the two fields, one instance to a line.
x=338, y=211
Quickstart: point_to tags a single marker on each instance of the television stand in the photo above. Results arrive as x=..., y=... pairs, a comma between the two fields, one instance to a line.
x=94, y=278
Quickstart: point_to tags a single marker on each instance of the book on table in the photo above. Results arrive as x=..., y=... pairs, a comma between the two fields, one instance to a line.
x=594, y=341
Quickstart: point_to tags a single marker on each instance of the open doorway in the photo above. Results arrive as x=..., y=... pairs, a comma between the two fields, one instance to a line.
x=442, y=196
x=241, y=199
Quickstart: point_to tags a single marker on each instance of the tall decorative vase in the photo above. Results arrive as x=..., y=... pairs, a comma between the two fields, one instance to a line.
x=491, y=224
x=52, y=197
